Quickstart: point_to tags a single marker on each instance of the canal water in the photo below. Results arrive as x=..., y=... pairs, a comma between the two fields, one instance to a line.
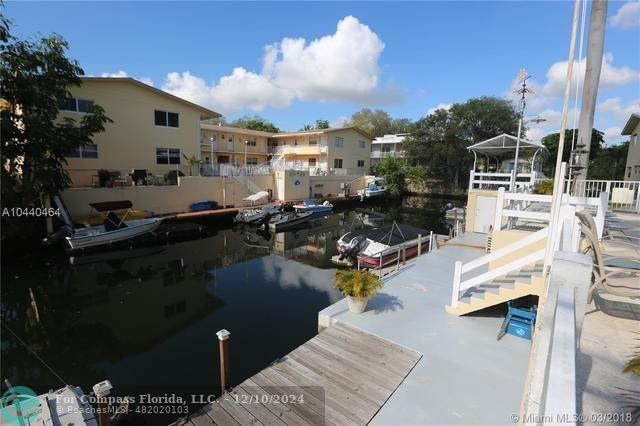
x=145, y=318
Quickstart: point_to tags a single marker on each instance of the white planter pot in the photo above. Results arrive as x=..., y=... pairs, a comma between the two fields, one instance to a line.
x=357, y=305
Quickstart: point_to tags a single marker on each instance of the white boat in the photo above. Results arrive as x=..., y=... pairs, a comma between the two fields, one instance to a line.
x=311, y=206
x=97, y=235
x=283, y=221
x=113, y=229
x=374, y=189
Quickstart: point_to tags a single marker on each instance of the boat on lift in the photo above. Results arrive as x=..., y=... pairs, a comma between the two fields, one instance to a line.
x=373, y=189
x=311, y=206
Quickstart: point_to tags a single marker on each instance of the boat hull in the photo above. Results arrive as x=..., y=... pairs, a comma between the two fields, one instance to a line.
x=373, y=261
x=280, y=223
x=96, y=236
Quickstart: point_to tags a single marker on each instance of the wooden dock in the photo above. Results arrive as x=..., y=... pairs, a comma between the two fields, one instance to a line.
x=341, y=376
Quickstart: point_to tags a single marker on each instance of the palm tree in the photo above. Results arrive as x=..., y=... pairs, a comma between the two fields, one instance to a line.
x=192, y=161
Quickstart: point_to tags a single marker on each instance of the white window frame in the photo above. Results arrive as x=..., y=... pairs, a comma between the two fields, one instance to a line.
x=339, y=142
x=166, y=117
x=169, y=154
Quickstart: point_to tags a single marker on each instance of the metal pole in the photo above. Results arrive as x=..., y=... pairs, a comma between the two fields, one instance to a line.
x=514, y=175
x=556, y=200
x=223, y=344
x=430, y=240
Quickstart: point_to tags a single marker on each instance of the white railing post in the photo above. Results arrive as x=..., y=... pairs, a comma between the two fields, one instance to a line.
x=601, y=213
x=497, y=222
x=471, y=178
x=455, y=295
x=420, y=245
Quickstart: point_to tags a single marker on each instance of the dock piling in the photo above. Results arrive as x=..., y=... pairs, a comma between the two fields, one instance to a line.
x=420, y=244
x=430, y=240
x=223, y=344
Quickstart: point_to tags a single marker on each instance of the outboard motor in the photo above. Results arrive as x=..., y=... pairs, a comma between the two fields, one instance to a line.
x=353, y=247
x=59, y=235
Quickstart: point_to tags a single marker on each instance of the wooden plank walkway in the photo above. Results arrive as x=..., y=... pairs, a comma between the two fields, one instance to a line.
x=342, y=376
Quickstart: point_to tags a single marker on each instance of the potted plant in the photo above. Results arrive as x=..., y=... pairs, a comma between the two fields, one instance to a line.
x=357, y=287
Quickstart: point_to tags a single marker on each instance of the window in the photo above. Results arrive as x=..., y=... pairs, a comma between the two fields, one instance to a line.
x=360, y=163
x=167, y=156
x=337, y=163
x=339, y=142
x=634, y=139
x=73, y=104
x=362, y=144
x=166, y=119
x=252, y=161
x=251, y=142
x=89, y=150
x=313, y=142
x=312, y=162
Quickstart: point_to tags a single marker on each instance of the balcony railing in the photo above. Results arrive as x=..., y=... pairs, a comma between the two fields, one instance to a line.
x=230, y=147
x=298, y=149
x=383, y=154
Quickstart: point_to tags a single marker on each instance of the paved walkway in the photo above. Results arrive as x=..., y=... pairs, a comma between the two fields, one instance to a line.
x=465, y=375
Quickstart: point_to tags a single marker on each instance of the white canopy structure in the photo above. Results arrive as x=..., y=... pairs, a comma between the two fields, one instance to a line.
x=502, y=148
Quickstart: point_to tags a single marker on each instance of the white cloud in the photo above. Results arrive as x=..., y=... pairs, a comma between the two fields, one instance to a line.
x=119, y=74
x=628, y=16
x=610, y=75
x=620, y=112
x=437, y=107
x=612, y=133
x=341, y=121
x=124, y=74
x=553, y=117
x=338, y=67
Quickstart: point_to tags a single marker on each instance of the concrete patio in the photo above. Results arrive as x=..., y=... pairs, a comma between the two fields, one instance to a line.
x=465, y=376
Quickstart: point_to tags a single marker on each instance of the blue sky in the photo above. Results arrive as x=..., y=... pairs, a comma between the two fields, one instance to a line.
x=404, y=57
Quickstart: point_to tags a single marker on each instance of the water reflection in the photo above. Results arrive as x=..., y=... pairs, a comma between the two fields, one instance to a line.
x=148, y=316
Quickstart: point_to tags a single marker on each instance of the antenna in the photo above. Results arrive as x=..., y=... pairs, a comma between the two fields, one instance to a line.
x=523, y=76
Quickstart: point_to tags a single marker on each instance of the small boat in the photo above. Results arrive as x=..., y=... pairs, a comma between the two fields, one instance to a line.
x=112, y=230
x=375, y=247
x=203, y=205
x=283, y=221
x=374, y=189
x=451, y=212
x=257, y=216
x=311, y=206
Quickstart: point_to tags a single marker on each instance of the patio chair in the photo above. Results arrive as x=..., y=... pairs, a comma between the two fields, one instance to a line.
x=618, y=281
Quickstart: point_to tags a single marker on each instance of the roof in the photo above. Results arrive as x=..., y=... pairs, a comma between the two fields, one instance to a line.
x=320, y=131
x=231, y=129
x=631, y=124
x=204, y=112
x=503, y=144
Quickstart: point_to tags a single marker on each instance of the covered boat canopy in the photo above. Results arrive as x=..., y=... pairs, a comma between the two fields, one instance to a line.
x=257, y=196
x=503, y=145
x=393, y=234
x=106, y=206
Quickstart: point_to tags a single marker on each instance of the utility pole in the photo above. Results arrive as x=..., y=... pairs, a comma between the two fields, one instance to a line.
x=595, y=49
x=523, y=76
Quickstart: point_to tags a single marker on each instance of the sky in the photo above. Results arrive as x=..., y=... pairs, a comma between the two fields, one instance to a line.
x=295, y=62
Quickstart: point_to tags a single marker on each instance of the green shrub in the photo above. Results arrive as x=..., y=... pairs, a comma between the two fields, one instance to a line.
x=545, y=187
x=354, y=283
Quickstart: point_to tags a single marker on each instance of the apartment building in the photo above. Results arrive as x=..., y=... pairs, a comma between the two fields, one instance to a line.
x=387, y=146
x=340, y=151
x=151, y=133
x=232, y=145
x=631, y=129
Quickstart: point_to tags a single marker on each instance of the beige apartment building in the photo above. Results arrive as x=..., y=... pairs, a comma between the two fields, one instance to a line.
x=339, y=151
x=151, y=132
x=631, y=129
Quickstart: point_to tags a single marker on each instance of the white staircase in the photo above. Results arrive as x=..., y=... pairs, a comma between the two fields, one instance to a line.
x=517, y=278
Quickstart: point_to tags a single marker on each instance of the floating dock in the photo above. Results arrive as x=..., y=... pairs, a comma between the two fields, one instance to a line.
x=342, y=376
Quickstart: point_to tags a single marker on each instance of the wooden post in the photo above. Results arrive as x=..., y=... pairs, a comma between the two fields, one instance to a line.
x=404, y=254
x=102, y=390
x=420, y=244
x=223, y=343
x=430, y=240
x=380, y=266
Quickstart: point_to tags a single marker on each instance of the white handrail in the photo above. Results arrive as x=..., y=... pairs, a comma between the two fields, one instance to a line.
x=503, y=251
x=502, y=270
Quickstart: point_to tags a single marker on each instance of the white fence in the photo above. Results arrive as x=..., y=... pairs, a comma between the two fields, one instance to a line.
x=231, y=170
x=481, y=180
x=623, y=195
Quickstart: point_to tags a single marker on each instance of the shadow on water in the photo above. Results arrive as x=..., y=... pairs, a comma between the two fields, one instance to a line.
x=146, y=318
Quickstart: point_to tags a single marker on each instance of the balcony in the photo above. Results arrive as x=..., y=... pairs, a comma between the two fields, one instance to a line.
x=230, y=147
x=298, y=149
x=381, y=154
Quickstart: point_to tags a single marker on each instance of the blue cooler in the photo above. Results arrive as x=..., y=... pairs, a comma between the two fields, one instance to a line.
x=519, y=321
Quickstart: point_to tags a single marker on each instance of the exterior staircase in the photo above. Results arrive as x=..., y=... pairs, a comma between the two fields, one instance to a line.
x=528, y=280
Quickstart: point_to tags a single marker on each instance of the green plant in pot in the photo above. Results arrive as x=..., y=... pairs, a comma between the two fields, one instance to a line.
x=358, y=287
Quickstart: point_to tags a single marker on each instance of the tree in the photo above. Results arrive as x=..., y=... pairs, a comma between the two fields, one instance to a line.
x=255, y=123
x=394, y=172
x=320, y=124
x=609, y=163
x=191, y=162
x=551, y=143
x=36, y=76
x=379, y=123
x=439, y=142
